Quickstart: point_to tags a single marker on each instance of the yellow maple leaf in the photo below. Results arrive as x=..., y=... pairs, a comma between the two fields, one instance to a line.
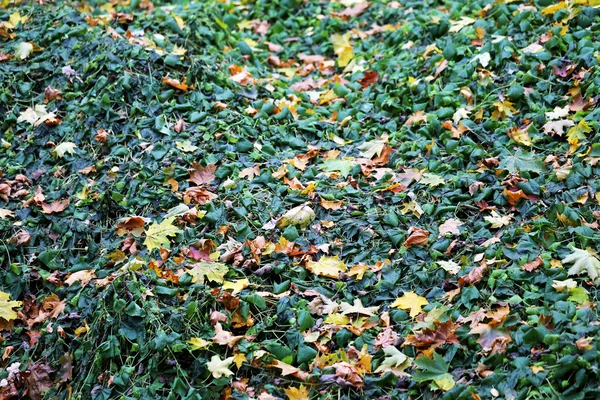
x=342, y=47
x=212, y=271
x=6, y=307
x=239, y=359
x=198, y=343
x=237, y=285
x=157, y=235
x=299, y=393
x=410, y=301
x=327, y=266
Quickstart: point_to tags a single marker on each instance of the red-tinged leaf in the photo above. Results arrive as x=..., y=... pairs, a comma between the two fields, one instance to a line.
x=532, y=265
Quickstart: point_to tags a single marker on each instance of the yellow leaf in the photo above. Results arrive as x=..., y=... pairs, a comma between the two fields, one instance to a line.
x=237, y=285
x=300, y=393
x=410, y=301
x=6, y=307
x=198, y=343
x=327, y=266
x=239, y=359
x=497, y=220
x=157, y=235
x=337, y=319
x=212, y=271
x=342, y=48
x=551, y=10
x=179, y=21
x=16, y=18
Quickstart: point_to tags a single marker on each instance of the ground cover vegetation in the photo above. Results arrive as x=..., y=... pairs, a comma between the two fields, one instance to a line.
x=299, y=199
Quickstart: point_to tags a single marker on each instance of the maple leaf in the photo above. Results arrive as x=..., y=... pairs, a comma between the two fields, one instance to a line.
x=6, y=307
x=83, y=277
x=64, y=148
x=342, y=166
x=373, y=148
x=416, y=237
x=186, y=146
x=157, y=235
x=557, y=127
x=435, y=370
x=202, y=175
x=299, y=393
x=300, y=216
x=218, y=367
x=491, y=338
x=457, y=26
x=584, y=261
x=327, y=266
x=133, y=225
x=578, y=132
x=224, y=337
x=239, y=359
x=211, y=271
x=410, y=301
x=357, y=308
x=250, y=172
x=449, y=266
x=450, y=227
x=198, y=343
x=558, y=112
x=431, y=180
x=36, y=116
x=395, y=362
x=23, y=50
x=55, y=207
x=497, y=220
x=4, y=213
x=504, y=109
x=236, y=286
x=342, y=47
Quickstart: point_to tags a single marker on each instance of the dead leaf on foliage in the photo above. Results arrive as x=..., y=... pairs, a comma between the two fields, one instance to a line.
x=55, y=207
x=177, y=84
x=416, y=237
x=532, y=265
x=83, y=277
x=202, y=175
x=474, y=276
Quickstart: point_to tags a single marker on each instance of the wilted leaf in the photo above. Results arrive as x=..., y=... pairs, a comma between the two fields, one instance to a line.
x=300, y=216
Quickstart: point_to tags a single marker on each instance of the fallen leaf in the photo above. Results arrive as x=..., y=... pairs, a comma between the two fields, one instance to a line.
x=327, y=266
x=410, y=301
x=219, y=367
x=6, y=307
x=157, y=235
x=83, y=277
